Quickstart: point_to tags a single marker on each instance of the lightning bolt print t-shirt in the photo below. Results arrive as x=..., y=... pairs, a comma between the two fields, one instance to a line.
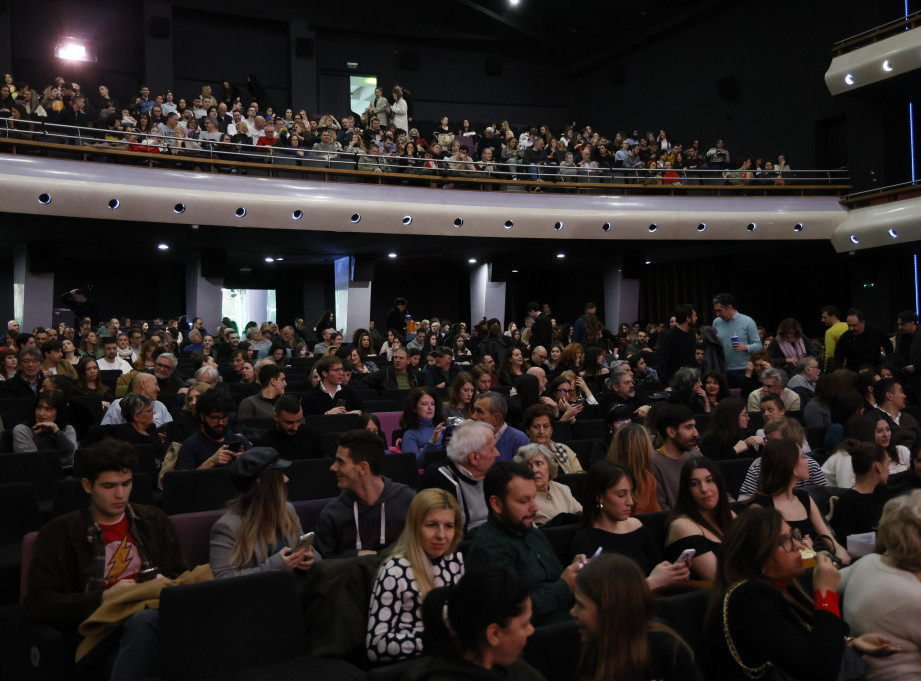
x=122, y=559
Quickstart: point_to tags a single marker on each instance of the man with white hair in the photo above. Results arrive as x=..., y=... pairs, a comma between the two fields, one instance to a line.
x=471, y=452
x=773, y=382
x=142, y=384
x=208, y=374
x=491, y=408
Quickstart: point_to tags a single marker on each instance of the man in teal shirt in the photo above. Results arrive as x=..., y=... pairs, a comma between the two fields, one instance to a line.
x=738, y=334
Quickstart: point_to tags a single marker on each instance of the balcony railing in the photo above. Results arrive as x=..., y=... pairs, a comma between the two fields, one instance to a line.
x=873, y=35
x=111, y=146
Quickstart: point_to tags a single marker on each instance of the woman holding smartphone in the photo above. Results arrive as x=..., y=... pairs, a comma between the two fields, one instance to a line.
x=260, y=530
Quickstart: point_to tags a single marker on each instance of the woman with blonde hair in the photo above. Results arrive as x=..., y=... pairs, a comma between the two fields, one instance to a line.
x=422, y=559
x=632, y=448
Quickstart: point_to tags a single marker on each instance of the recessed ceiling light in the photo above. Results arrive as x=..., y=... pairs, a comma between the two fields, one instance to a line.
x=391, y=254
x=407, y=219
x=163, y=247
x=240, y=212
x=649, y=262
x=269, y=259
x=752, y=226
x=702, y=227
x=606, y=227
x=854, y=239
x=279, y=258
x=458, y=222
x=887, y=66
x=653, y=227
x=297, y=215
x=246, y=270
x=179, y=208
x=356, y=217
x=113, y=204
x=558, y=226
x=44, y=199
x=560, y=256
x=471, y=260
x=849, y=79
x=509, y=224
x=893, y=234
x=799, y=227
x=514, y=271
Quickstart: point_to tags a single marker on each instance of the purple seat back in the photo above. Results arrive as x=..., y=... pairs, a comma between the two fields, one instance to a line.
x=309, y=511
x=390, y=421
x=28, y=543
x=194, y=531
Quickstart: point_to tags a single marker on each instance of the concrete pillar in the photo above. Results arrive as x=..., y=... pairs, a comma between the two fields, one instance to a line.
x=304, y=80
x=487, y=298
x=203, y=297
x=33, y=294
x=621, y=296
x=353, y=299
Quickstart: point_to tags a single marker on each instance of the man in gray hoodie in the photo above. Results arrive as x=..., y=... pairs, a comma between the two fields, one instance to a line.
x=371, y=511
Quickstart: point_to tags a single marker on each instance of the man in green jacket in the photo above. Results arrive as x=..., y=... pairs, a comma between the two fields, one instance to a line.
x=508, y=539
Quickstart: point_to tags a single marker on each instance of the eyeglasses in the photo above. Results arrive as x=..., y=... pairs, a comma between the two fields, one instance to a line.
x=566, y=392
x=789, y=541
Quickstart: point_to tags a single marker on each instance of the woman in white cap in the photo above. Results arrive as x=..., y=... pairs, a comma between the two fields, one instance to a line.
x=260, y=530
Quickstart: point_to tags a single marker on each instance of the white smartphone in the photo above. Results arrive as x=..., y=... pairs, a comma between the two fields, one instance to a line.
x=685, y=556
x=305, y=541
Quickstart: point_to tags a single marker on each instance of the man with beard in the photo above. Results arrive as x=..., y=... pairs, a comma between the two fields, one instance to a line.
x=678, y=429
x=212, y=446
x=509, y=539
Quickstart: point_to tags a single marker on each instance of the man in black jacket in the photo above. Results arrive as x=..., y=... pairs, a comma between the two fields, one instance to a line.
x=442, y=374
x=27, y=381
x=401, y=376
x=860, y=344
x=330, y=396
x=291, y=437
x=541, y=329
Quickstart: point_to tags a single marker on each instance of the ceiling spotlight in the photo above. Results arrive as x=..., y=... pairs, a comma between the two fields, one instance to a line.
x=702, y=227
x=514, y=271
x=854, y=239
x=240, y=212
x=560, y=256
x=297, y=215
x=893, y=234
x=752, y=226
x=391, y=255
x=44, y=199
x=799, y=227
x=513, y=3
x=279, y=258
x=558, y=226
x=163, y=247
x=407, y=219
x=246, y=270
x=509, y=224
x=179, y=208
x=649, y=262
x=849, y=79
x=887, y=66
x=269, y=259
x=653, y=227
x=113, y=204
x=606, y=227
x=458, y=222
x=471, y=260
x=356, y=217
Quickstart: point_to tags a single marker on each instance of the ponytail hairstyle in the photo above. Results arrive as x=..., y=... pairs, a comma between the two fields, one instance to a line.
x=456, y=617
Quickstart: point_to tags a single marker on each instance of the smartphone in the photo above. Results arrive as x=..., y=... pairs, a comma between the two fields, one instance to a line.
x=685, y=556
x=305, y=541
x=235, y=447
x=581, y=400
x=340, y=403
x=147, y=575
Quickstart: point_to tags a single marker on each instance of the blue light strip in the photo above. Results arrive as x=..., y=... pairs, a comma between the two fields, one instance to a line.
x=911, y=137
x=917, y=301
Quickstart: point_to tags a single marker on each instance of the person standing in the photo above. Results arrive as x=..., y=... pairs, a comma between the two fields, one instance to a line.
x=738, y=335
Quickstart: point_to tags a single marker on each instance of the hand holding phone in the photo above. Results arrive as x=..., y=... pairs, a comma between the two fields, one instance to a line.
x=685, y=556
x=305, y=541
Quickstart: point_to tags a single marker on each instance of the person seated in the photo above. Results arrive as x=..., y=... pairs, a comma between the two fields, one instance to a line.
x=186, y=421
x=138, y=428
x=675, y=427
x=291, y=436
x=761, y=614
x=27, y=380
x=260, y=530
x=727, y=435
x=460, y=397
x=783, y=465
x=424, y=558
x=331, y=396
x=632, y=448
x=144, y=384
x=790, y=345
x=370, y=512
x=903, y=483
x=272, y=386
x=882, y=593
x=492, y=408
x=620, y=636
x=444, y=370
x=872, y=428
x=212, y=445
x=688, y=391
x=607, y=524
x=110, y=361
x=806, y=378
x=622, y=398
x=512, y=367
x=74, y=568
x=782, y=429
x=233, y=372
x=891, y=401
x=510, y=541
x=54, y=363
x=477, y=628
x=773, y=382
x=859, y=509
x=538, y=425
x=421, y=434
x=48, y=429
x=553, y=498
x=471, y=453
x=645, y=379
x=700, y=517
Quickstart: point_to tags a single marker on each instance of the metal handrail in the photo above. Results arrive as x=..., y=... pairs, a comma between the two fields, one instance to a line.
x=882, y=29
x=93, y=139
